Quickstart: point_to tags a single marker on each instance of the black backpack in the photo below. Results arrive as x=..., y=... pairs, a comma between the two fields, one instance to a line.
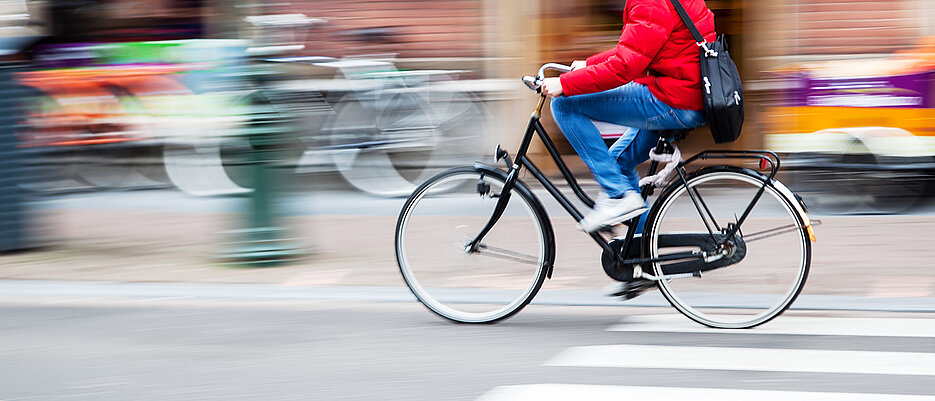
x=721, y=87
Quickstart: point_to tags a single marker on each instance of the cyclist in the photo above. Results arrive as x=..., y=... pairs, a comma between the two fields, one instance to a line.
x=650, y=81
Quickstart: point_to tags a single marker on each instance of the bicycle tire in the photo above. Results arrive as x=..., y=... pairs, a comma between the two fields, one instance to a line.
x=386, y=143
x=754, y=286
x=445, y=213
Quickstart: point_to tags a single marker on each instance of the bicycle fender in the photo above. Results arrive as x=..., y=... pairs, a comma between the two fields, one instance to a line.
x=797, y=204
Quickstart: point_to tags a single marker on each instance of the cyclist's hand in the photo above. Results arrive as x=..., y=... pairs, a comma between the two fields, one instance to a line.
x=578, y=64
x=552, y=87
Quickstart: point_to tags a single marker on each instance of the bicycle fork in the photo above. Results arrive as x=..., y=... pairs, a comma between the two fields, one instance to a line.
x=503, y=199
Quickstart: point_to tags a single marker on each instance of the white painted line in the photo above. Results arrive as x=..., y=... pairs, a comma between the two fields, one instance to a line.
x=758, y=359
x=565, y=392
x=795, y=325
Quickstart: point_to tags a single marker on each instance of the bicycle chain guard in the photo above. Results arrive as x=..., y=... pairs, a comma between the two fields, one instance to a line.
x=736, y=252
x=613, y=269
x=700, y=241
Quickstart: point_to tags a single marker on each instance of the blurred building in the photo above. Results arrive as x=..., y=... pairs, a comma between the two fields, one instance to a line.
x=815, y=30
x=497, y=39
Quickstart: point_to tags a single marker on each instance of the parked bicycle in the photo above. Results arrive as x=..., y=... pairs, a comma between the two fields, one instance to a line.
x=385, y=130
x=474, y=244
x=147, y=114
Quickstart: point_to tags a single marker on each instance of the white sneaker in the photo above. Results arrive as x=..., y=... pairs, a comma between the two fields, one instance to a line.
x=608, y=211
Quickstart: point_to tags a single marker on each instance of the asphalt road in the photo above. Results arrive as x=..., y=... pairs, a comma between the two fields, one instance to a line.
x=144, y=341
x=145, y=348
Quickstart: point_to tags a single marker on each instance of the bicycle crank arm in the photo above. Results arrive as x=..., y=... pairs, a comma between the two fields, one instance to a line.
x=485, y=250
x=667, y=258
x=639, y=273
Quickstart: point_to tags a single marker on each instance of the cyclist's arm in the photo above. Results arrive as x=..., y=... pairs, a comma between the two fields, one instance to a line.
x=646, y=31
x=601, y=57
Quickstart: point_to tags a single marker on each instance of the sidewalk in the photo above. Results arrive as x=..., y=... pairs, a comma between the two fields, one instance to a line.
x=862, y=256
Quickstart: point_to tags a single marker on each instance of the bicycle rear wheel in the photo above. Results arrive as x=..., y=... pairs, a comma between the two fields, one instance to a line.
x=447, y=212
x=767, y=261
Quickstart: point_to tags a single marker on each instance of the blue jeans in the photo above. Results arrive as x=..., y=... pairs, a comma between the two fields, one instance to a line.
x=631, y=105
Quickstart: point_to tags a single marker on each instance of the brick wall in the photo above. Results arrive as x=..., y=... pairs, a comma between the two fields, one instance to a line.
x=412, y=28
x=813, y=27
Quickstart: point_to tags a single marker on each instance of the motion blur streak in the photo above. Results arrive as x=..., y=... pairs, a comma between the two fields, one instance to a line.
x=187, y=141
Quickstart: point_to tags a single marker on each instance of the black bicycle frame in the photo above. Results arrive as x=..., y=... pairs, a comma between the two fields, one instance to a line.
x=521, y=161
x=765, y=158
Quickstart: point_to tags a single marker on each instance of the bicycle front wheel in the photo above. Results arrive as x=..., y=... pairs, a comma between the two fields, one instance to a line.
x=762, y=268
x=495, y=281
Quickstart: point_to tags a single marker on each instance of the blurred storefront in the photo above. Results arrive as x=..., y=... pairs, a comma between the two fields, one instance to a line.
x=488, y=39
x=847, y=64
x=767, y=36
x=503, y=40
x=850, y=99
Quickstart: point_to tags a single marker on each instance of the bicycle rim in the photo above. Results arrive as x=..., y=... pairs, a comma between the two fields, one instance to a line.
x=387, y=143
x=776, y=251
x=440, y=218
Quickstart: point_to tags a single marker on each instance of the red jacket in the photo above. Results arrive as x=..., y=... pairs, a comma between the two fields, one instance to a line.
x=656, y=49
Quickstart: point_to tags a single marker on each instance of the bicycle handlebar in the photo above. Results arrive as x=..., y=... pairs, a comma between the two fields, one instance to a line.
x=535, y=83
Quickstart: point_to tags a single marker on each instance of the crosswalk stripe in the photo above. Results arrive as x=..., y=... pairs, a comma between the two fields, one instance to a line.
x=550, y=392
x=801, y=325
x=758, y=359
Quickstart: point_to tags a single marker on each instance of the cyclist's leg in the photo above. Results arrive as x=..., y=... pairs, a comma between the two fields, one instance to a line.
x=571, y=114
x=630, y=150
x=630, y=105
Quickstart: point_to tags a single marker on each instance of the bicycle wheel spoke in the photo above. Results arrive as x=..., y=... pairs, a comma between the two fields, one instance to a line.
x=488, y=250
x=761, y=269
x=761, y=235
x=444, y=215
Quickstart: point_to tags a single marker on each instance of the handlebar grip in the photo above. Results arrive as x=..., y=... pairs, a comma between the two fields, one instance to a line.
x=552, y=66
x=535, y=82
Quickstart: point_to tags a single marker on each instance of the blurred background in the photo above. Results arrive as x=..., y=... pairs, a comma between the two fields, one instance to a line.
x=192, y=132
x=153, y=152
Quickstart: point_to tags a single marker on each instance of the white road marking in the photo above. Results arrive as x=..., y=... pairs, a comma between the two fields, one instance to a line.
x=757, y=359
x=795, y=325
x=564, y=392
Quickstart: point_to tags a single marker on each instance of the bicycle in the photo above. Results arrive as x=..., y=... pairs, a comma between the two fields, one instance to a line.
x=474, y=244
x=383, y=129
x=188, y=105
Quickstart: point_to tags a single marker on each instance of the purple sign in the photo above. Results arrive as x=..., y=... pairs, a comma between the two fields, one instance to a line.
x=897, y=91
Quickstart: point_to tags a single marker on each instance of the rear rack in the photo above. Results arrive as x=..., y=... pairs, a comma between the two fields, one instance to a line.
x=766, y=158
